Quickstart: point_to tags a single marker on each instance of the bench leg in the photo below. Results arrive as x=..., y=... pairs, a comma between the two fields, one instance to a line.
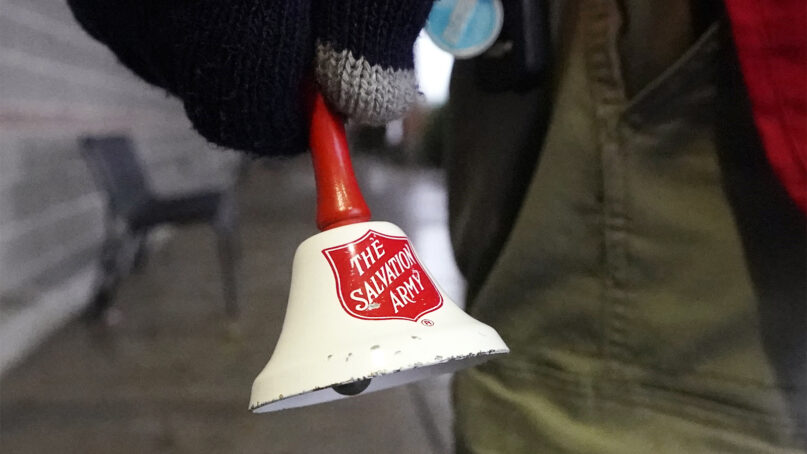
x=226, y=227
x=228, y=257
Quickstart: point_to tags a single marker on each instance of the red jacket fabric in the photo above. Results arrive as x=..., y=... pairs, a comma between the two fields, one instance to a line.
x=771, y=41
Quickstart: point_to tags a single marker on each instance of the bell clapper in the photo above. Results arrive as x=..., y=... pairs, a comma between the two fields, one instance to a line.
x=353, y=388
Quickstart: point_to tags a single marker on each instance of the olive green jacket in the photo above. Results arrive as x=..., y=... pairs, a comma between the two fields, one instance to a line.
x=620, y=227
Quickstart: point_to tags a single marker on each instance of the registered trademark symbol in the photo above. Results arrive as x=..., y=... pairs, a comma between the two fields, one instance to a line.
x=426, y=322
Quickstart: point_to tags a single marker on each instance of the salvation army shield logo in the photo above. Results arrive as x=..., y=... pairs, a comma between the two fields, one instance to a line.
x=378, y=277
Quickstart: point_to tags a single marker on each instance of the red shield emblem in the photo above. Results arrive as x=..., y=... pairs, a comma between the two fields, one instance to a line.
x=378, y=277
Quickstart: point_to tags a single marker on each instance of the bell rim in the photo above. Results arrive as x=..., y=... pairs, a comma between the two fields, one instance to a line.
x=484, y=356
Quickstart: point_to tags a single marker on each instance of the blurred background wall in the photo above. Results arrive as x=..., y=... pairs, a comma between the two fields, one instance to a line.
x=56, y=85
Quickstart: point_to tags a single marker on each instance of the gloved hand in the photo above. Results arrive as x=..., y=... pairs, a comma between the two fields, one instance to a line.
x=240, y=66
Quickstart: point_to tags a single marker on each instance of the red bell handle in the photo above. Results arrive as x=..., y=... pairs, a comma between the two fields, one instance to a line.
x=339, y=199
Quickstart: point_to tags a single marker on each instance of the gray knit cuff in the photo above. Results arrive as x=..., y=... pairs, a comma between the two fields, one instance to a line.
x=367, y=93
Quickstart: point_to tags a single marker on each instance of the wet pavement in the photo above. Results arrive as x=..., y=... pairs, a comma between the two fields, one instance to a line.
x=171, y=375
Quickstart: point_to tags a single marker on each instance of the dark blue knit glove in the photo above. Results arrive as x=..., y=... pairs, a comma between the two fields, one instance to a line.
x=240, y=66
x=237, y=65
x=364, y=59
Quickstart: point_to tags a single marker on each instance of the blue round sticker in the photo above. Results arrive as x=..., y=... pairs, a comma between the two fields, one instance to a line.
x=465, y=28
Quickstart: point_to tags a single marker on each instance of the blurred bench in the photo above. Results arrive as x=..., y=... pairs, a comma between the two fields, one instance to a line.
x=135, y=209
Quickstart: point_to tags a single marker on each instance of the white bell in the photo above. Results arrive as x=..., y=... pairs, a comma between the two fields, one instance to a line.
x=361, y=306
x=363, y=313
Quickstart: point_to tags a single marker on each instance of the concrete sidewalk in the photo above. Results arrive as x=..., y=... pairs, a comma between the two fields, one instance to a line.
x=171, y=375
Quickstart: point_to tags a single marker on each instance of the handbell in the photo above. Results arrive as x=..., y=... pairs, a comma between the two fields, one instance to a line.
x=363, y=313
